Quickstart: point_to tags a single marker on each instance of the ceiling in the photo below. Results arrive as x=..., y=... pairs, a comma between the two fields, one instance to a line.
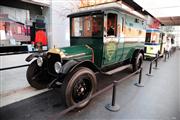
x=166, y=11
x=38, y=2
x=175, y=21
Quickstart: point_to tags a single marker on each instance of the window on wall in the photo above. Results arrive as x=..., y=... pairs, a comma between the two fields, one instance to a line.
x=112, y=24
x=87, y=26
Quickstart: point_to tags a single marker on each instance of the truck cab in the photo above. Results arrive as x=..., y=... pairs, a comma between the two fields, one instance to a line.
x=110, y=33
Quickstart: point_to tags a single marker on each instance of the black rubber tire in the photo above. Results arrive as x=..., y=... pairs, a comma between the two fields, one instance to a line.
x=137, y=62
x=41, y=81
x=70, y=82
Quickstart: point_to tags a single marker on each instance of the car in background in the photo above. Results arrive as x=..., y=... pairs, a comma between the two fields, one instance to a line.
x=155, y=43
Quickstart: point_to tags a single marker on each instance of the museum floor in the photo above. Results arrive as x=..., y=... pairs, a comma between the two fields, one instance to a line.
x=159, y=99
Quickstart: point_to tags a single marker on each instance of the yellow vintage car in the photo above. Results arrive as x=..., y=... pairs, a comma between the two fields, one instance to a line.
x=155, y=43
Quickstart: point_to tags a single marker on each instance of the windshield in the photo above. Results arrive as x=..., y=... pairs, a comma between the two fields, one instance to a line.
x=152, y=37
x=87, y=26
x=148, y=37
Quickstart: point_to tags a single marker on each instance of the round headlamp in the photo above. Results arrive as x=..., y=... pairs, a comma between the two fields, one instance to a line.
x=40, y=61
x=57, y=67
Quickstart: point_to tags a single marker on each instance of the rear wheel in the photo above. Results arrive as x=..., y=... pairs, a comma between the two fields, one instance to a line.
x=137, y=62
x=78, y=86
x=37, y=77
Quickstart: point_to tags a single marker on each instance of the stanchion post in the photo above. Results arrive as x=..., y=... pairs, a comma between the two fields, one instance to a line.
x=156, y=60
x=150, y=69
x=113, y=106
x=170, y=52
x=156, y=64
x=114, y=95
x=139, y=84
x=165, y=56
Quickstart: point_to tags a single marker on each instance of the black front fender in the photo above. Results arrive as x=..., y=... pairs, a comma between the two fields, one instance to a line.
x=87, y=64
x=68, y=65
x=72, y=64
x=35, y=55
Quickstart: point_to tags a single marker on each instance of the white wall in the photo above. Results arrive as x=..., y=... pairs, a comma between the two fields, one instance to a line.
x=47, y=14
x=59, y=29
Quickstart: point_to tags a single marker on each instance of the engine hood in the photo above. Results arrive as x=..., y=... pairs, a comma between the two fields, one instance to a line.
x=73, y=52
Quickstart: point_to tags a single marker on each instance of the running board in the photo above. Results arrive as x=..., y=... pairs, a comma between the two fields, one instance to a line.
x=117, y=69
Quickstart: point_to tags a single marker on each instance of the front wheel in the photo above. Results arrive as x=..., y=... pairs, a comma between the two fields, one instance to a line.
x=37, y=77
x=78, y=86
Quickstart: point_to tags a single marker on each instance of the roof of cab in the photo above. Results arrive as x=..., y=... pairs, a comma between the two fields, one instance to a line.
x=100, y=10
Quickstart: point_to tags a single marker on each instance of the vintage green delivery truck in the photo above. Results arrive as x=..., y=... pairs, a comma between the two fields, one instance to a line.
x=102, y=40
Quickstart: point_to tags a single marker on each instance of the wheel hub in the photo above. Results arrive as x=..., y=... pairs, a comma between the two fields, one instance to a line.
x=81, y=89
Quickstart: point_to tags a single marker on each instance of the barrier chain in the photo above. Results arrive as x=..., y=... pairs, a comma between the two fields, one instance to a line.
x=7, y=68
x=113, y=106
x=113, y=85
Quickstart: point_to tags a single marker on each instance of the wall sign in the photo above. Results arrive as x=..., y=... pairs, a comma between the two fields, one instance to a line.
x=88, y=3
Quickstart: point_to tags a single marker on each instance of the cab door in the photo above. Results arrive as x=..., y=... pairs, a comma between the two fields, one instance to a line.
x=111, y=38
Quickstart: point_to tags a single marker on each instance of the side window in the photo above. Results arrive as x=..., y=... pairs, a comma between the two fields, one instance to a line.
x=77, y=27
x=87, y=29
x=112, y=24
x=97, y=24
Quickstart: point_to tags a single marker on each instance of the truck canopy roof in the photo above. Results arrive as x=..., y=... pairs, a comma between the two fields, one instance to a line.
x=92, y=11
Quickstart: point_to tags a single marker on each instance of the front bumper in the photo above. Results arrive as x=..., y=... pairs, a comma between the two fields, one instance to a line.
x=149, y=55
